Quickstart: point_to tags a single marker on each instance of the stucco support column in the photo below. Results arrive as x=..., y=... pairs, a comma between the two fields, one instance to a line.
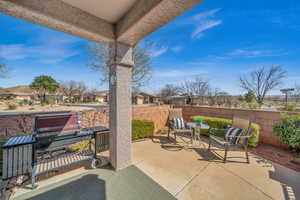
x=120, y=105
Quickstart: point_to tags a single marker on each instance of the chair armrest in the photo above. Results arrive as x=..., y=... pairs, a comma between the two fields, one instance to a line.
x=241, y=136
x=213, y=130
x=245, y=136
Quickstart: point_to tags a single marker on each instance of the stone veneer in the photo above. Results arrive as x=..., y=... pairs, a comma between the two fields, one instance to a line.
x=16, y=124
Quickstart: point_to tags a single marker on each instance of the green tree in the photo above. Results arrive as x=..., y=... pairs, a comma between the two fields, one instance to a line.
x=44, y=85
x=249, y=97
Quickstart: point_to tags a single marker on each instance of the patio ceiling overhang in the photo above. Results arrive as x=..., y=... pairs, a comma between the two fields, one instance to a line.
x=106, y=21
x=120, y=24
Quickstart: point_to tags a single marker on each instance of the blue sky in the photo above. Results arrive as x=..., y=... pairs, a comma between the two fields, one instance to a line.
x=217, y=40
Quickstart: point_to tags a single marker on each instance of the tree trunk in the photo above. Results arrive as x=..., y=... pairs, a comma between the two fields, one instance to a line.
x=44, y=97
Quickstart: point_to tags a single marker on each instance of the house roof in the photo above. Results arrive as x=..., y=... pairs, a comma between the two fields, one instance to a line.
x=147, y=94
x=20, y=89
x=101, y=93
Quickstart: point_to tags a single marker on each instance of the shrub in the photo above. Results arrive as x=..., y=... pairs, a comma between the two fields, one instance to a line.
x=289, y=131
x=12, y=106
x=50, y=101
x=254, y=105
x=220, y=123
x=290, y=107
x=198, y=119
x=80, y=146
x=142, y=129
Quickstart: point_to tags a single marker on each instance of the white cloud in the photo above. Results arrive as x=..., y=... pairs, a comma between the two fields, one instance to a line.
x=205, y=26
x=157, y=51
x=292, y=78
x=176, y=49
x=204, y=21
x=13, y=52
x=256, y=53
x=50, y=49
x=206, y=14
x=177, y=73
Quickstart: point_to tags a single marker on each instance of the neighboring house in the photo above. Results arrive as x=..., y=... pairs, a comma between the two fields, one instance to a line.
x=22, y=92
x=149, y=98
x=16, y=95
x=26, y=93
x=144, y=98
x=101, y=96
x=177, y=100
x=137, y=99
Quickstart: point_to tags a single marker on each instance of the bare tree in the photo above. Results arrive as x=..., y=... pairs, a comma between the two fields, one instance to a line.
x=223, y=99
x=99, y=59
x=213, y=94
x=3, y=70
x=81, y=89
x=196, y=86
x=169, y=90
x=68, y=88
x=261, y=81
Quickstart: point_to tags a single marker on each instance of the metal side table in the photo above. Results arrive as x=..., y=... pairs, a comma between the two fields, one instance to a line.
x=197, y=130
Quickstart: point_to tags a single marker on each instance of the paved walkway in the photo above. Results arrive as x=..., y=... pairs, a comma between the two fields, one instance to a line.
x=188, y=175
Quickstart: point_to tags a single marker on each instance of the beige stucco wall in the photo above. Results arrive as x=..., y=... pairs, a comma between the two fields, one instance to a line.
x=28, y=98
x=100, y=99
x=139, y=100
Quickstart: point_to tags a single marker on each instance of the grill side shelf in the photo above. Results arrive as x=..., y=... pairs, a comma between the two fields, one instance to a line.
x=19, y=140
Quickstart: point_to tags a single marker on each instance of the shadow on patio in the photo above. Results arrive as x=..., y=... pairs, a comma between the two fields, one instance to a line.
x=162, y=169
x=191, y=172
x=101, y=184
x=86, y=187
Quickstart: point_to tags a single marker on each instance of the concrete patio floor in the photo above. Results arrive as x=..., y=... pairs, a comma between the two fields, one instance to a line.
x=194, y=173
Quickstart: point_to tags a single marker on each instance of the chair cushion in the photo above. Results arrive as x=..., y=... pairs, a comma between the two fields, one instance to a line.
x=232, y=135
x=178, y=123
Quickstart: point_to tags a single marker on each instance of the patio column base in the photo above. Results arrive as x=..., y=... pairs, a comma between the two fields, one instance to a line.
x=120, y=113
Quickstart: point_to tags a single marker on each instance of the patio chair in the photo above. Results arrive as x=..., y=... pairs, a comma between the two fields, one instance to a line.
x=236, y=135
x=176, y=123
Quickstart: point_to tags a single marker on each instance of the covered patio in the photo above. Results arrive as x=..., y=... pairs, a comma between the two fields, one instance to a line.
x=118, y=24
x=186, y=173
x=153, y=168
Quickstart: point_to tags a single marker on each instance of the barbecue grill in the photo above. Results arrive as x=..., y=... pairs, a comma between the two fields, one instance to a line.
x=45, y=149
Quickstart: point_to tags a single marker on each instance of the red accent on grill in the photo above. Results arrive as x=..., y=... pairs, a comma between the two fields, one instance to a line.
x=48, y=124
